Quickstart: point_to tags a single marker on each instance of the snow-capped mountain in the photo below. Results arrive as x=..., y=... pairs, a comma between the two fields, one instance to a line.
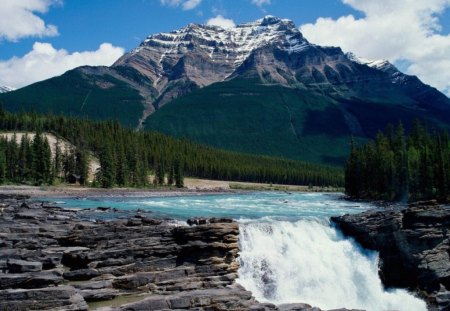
x=226, y=49
x=290, y=97
x=4, y=89
x=270, y=49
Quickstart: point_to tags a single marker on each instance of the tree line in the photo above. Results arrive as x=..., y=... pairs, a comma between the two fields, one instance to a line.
x=401, y=167
x=29, y=160
x=127, y=157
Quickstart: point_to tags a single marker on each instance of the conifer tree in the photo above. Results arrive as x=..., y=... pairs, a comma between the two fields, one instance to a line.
x=82, y=165
x=2, y=164
x=107, y=169
x=171, y=177
x=179, y=176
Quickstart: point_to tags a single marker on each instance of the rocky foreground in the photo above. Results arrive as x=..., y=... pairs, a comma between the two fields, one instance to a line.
x=59, y=259
x=414, y=247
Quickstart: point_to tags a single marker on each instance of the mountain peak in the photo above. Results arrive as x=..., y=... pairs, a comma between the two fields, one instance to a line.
x=269, y=20
x=232, y=45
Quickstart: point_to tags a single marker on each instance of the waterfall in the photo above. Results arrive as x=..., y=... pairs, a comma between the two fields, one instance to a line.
x=311, y=262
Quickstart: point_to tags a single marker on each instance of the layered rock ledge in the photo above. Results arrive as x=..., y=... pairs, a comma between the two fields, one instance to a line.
x=414, y=247
x=60, y=259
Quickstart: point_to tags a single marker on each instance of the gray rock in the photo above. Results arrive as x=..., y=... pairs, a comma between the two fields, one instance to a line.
x=30, y=280
x=413, y=243
x=99, y=294
x=20, y=266
x=81, y=274
x=51, y=298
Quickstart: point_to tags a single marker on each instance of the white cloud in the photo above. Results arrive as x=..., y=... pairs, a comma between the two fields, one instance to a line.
x=44, y=61
x=261, y=2
x=397, y=30
x=185, y=4
x=190, y=4
x=18, y=19
x=221, y=21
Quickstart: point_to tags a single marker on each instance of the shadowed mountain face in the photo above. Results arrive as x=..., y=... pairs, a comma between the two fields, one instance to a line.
x=260, y=87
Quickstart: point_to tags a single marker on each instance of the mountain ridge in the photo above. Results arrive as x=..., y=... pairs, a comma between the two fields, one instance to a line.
x=201, y=61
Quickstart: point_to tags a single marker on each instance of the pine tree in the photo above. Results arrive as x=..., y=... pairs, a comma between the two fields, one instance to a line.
x=2, y=165
x=107, y=168
x=171, y=177
x=82, y=165
x=25, y=158
x=57, y=161
x=160, y=174
x=68, y=163
x=179, y=176
x=46, y=162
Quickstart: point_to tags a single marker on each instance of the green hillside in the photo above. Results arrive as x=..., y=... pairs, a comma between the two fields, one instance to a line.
x=78, y=95
x=243, y=115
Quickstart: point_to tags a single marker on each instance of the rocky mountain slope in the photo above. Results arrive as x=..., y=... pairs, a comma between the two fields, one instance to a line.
x=260, y=87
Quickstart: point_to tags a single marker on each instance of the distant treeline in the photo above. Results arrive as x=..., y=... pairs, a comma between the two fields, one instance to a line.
x=127, y=157
x=399, y=167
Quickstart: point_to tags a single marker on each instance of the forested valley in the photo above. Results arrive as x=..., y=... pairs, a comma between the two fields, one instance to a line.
x=128, y=157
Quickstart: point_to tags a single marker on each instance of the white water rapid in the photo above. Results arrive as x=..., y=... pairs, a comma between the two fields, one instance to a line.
x=309, y=261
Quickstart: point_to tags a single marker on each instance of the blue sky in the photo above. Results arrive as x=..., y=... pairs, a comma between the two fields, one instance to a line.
x=65, y=33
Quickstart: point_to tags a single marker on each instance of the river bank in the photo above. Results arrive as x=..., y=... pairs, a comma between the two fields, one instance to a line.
x=193, y=186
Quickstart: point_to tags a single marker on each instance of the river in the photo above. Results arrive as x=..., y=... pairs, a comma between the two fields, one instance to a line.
x=289, y=250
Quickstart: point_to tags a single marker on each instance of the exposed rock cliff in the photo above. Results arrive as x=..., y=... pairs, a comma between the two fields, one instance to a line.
x=414, y=246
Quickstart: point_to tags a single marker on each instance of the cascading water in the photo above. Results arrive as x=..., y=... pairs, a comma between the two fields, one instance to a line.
x=309, y=261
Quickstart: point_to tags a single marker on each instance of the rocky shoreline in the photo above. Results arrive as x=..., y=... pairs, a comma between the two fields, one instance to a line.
x=59, y=259
x=413, y=244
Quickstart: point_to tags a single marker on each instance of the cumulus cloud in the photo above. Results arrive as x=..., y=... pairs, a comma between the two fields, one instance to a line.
x=261, y=2
x=44, y=61
x=18, y=19
x=397, y=30
x=185, y=4
x=221, y=21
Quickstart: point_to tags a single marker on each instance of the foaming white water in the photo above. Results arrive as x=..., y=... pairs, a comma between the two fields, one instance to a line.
x=309, y=261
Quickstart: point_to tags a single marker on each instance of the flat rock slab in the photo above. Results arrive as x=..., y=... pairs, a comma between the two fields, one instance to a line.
x=56, y=298
x=20, y=266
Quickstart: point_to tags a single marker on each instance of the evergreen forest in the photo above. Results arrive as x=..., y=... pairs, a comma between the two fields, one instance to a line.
x=128, y=157
x=399, y=167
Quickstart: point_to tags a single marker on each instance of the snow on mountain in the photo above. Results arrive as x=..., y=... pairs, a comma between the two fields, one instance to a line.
x=382, y=65
x=4, y=89
x=217, y=51
x=236, y=43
